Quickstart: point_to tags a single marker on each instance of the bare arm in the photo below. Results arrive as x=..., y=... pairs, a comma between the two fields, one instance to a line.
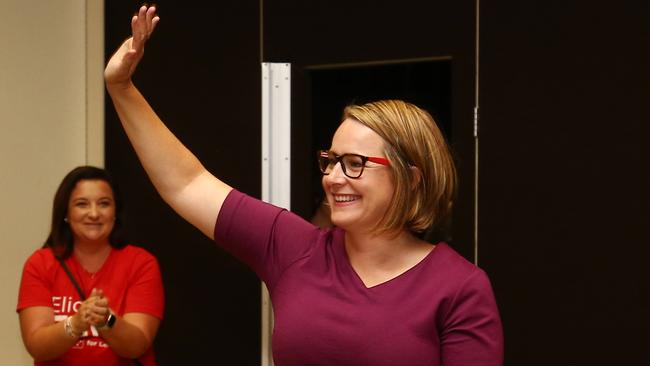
x=132, y=334
x=43, y=338
x=46, y=339
x=177, y=174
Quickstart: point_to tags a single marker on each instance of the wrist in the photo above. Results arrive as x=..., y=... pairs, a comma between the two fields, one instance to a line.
x=70, y=329
x=109, y=323
x=118, y=86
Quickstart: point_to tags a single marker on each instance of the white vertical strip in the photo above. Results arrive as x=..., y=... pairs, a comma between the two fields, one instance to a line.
x=276, y=164
x=476, y=126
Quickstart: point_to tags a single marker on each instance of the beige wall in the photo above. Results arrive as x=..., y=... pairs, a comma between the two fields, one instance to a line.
x=51, y=120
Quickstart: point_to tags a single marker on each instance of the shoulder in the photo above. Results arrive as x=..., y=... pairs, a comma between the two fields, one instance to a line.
x=464, y=289
x=244, y=215
x=133, y=254
x=41, y=265
x=452, y=262
x=237, y=200
x=457, y=272
x=133, y=250
x=41, y=257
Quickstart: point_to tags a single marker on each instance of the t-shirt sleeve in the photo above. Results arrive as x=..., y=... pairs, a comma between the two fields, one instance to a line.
x=35, y=286
x=145, y=294
x=472, y=333
x=265, y=237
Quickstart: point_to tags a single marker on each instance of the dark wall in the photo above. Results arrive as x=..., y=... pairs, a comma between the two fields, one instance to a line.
x=564, y=178
x=563, y=203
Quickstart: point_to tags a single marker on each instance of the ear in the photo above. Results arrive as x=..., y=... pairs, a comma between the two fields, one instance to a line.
x=416, y=177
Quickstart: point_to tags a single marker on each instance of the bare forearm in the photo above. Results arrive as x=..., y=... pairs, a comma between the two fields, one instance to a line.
x=169, y=164
x=126, y=339
x=177, y=174
x=49, y=342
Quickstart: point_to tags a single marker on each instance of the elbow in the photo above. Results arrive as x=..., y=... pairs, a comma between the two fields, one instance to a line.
x=36, y=348
x=133, y=352
x=39, y=355
x=134, y=349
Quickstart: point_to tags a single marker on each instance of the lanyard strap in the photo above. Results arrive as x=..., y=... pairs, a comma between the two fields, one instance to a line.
x=81, y=293
x=72, y=279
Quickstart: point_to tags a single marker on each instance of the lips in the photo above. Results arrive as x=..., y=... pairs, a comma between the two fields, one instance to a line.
x=344, y=198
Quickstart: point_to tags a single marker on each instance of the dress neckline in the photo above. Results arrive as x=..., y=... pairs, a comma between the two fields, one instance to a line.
x=85, y=274
x=359, y=281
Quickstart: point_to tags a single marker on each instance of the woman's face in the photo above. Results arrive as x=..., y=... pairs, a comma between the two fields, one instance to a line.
x=91, y=211
x=358, y=204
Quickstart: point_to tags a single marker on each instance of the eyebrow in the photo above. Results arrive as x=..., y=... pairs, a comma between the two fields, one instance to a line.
x=347, y=153
x=87, y=199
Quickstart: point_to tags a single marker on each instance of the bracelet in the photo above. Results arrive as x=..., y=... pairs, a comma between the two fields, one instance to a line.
x=110, y=321
x=69, y=329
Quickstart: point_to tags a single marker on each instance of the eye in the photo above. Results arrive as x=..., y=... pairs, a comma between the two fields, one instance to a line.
x=353, y=162
x=105, y=204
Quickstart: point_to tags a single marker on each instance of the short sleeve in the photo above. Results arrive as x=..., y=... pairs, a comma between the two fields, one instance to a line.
x=145, y=293
x=265, y=237
x=472, y=333
x=35, y=285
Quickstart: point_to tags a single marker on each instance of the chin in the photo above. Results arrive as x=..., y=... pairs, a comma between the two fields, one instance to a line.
x=96, y=238
x=342, y=222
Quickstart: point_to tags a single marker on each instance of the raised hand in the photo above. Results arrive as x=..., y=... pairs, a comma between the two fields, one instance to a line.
x=124, y=61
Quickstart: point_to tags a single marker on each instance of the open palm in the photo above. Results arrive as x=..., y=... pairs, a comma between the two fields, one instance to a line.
x=124, y=61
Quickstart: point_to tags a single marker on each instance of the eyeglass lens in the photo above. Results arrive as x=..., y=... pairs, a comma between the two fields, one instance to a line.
x=351, y=164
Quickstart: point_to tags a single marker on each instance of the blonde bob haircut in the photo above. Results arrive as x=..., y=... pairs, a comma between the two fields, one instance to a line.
x=421, y=163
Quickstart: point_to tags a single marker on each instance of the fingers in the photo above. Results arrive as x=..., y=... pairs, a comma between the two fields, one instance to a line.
x=98, y=292
x=152, y=20
x=94, y=310
x=142, y=25
x=124, y=61
x=95, y=315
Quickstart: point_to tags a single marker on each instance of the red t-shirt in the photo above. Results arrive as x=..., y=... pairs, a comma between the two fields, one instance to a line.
x=130, y=279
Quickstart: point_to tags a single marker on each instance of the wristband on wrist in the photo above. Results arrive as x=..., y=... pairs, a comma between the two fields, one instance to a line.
x=69, y=329
x=110, y=321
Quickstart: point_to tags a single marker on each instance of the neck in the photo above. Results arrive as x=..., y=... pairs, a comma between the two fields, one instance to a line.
x=91, y=256
x=380, y=248
x=378, y=258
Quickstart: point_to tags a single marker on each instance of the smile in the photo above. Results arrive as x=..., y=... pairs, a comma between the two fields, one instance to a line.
x=345, y=198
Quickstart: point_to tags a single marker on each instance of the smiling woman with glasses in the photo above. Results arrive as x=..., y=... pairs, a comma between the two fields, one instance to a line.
x=368, y=291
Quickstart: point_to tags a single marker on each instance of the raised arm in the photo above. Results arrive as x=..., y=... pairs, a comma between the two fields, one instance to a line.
x=177, y=174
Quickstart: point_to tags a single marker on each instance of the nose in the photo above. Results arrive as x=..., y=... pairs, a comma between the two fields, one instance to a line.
x=336, y=175
x=93, y=212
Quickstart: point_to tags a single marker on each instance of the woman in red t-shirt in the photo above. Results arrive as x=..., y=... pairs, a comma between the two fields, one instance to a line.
x=86, y=297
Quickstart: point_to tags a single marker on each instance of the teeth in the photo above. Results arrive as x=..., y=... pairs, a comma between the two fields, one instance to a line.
x=345, y=198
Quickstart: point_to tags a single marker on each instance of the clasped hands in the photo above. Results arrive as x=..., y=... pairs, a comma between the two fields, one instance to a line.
x=94, y=311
